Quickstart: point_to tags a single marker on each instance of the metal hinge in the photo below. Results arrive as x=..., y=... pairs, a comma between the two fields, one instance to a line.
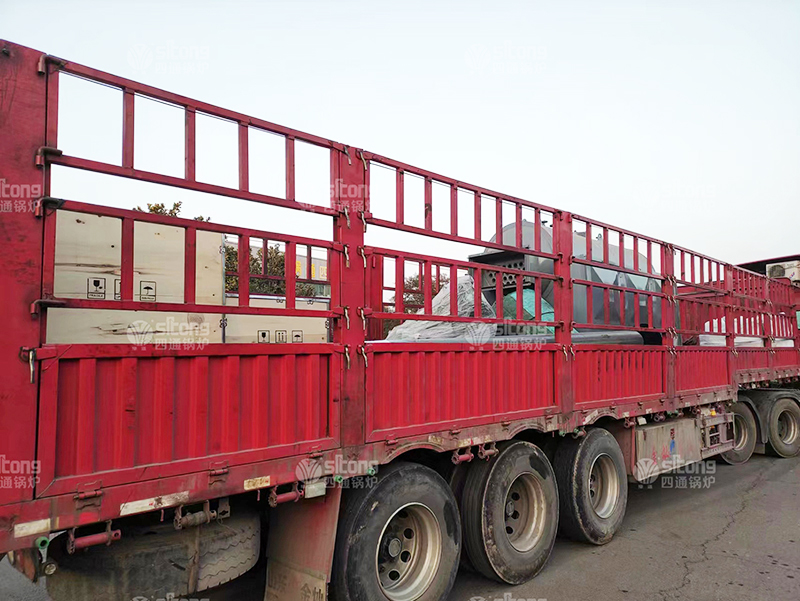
x=49, y=58
x=46, y=151
x=41, y=206
x=218, y=472
x=92, y=496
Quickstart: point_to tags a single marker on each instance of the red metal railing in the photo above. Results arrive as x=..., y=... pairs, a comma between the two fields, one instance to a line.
x=190, y=228
x=54, y=67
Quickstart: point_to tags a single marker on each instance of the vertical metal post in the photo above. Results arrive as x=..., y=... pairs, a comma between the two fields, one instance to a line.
x=668, y=308
x=352, y=293
x=128, y=101
x=564, y=365
x=730, y=337
x=24, y=123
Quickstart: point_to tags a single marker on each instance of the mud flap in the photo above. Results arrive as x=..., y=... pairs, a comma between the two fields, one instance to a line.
x=302, y=537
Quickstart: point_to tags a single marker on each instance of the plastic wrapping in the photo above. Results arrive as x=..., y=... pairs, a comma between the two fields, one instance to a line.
x=716, y=338
x=413, y=330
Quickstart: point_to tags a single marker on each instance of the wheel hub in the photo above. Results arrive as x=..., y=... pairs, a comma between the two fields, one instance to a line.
x=603, y=486
x=394, y=547
x=409, y=552
x=788, y=428
x=525, y=512
x=740, y=436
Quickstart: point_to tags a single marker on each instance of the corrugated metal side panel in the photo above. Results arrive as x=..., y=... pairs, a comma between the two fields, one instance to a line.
x=617, y=374
x=118, y=413
x=412, y=392
x=746, y=359
x=786, y=357
x=700, y=369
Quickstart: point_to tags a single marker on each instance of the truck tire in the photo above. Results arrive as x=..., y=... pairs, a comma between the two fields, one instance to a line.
x=456, y=480
x=510, y=513
x=745, y=431
x=397, y=540
x=592, y=486
x=784, y=428
x=155, y=562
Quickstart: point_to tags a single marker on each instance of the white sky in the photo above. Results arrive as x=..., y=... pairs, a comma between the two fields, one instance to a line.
x=675, y=119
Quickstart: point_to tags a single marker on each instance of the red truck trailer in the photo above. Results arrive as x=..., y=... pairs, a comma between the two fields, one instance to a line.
x=463, y=415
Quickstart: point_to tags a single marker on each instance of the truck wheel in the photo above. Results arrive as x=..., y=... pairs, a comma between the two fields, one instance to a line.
x=398, y=540
x=744, y=435
x=151, y=562
x=510, y=512
x=457, y=479
x=784, y=428
x=592, y=486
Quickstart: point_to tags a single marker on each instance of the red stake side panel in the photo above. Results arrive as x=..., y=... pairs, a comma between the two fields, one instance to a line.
x=604, y=376
x=125, y=429
x=117, y=420
x=415, y=389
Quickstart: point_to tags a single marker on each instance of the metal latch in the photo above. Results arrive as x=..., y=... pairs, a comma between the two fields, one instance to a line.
x=44, y=303
x=32, y=355
x=28, y=355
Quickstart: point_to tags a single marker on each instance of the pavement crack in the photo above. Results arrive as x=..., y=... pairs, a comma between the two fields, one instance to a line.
x=690, y=565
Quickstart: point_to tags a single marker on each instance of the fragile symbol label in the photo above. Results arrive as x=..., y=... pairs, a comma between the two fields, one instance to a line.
x=96, y=288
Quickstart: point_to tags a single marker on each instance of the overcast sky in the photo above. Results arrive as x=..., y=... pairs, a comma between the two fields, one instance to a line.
x=676, y=119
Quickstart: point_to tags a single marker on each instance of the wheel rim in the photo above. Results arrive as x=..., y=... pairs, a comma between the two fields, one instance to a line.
x=525, y=512
x=787, y=427
x=603, y=485
x=408, y=554
x=740, y=434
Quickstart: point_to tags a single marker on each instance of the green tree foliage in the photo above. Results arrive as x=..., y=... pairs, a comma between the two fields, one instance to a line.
x=276, y=263
x=275, y=260
x=414, y=298
x=159, y=208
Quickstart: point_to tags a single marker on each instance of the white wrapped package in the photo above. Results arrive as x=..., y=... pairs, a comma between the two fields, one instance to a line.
x=718, y=325
x=413, y=330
